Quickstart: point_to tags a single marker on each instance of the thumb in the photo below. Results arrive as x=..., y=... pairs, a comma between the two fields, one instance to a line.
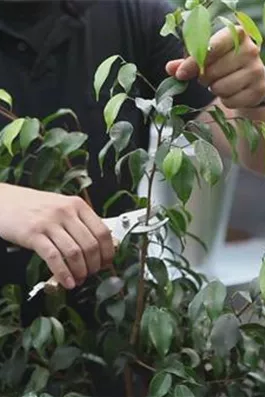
x=173, y=66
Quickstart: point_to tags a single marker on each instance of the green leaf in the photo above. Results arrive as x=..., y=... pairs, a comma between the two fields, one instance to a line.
x=11, y=372
x=145, y=321
x=250, y=27
x=183, y=182
x=177, y=221
x=263, y=15
x=158, y=270
x=225, y=334
x=214, y=296
x=116, y=310
x=7, y=330
x=114, y=198
x=41, y=329
x=43, y=166
x=161, y=154
x=6, y=97
x=76, y=173
x=262, y=279
x=169, y=26
x=231, y=26
x=120, y=134
x=210, y=162
x=138, y=160
x=58, y=331
x=60, y=113
x=72, y=142
x=29, y=132
x=172, y=163
x=249, y=132
x=109, y=288
x=63, y=357
x=232, y=4
x=160, y=385
x=164, y=107
x=112, y=108
x=193, y=357
x=182, y=391
x=196, y=306
x=169, y=88
x=102, y=154
x=10, y=132
x=145, y=105
x=102, y=74
x=161, y=331
x=199, y=20
x=190, y=4
x=54, y=137
x=38, y=379
x=127, y=76
x=179, y=110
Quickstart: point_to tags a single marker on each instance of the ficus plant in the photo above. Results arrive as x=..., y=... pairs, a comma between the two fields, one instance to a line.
x=148, y=334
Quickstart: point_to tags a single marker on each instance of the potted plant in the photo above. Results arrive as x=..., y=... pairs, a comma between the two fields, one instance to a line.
x=151, y=334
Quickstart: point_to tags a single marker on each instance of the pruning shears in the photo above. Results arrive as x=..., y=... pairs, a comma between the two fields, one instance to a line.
x=129, y=222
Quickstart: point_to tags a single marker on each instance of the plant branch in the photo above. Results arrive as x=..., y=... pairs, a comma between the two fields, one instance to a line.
x=146, y=81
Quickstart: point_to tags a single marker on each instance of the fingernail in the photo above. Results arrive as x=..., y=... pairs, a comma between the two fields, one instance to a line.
x=182, y=75
x=80, y=282
x=70, y=283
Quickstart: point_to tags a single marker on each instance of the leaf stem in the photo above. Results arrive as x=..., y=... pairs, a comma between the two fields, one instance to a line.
x=150, y=85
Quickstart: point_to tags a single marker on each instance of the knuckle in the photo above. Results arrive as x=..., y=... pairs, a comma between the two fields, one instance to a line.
x=252, y=49
x=76, y=202
x=52, y=255
x=73, y=253
x=104, y=234
x=93, y=247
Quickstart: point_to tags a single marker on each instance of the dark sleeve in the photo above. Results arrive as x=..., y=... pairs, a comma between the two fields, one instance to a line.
x=158, y=50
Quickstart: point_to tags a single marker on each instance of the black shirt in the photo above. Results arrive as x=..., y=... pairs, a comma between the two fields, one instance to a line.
x=49, y=54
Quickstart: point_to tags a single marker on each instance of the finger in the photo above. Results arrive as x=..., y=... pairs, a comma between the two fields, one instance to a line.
x=230, y=85
x=89, y=245
x=70, y=251
x=101, y=233
x=224, y=66
x=187, y=70
x=222, y=42
x=172, y=66
x=247, y=98
x=44, y=247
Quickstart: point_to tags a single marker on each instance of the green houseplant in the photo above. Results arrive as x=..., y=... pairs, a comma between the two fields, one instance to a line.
x=157, y=335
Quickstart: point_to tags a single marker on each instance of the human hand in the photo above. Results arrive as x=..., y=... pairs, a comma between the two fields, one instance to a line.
x=237, y=79
x=64, y=231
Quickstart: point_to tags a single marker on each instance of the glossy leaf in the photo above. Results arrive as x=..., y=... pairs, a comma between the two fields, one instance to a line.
x=54, y=137
x=210, y=162
x=72, y=142
x=182, y=183
x=38, y=379
x=63, y=357
x=172, y=163
x=6, y=97
x=160, y=385
x=138, y=160
x=230, y=3
x=29, y=132
x=78, y=174
x=214, y=295
x=60, y=113
x=169, y=88
x=250, y=133
x=10, y=132
x=109, y=288
x=127, y=76
x=250, y=27
x=43, y=166
x=161, y=331
x=41, y=329
x=57, y=331
x=102, y=155
x=225, y=334
x=145, y=105
x=169, y=26
x=231, y=26
x=182, y=391
x=116, y=311
x=102, y=73
x=120, y=134
x=112, y=109
x=193, y=356
x=197, y=44
x=158, y=270
x=33, y=270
